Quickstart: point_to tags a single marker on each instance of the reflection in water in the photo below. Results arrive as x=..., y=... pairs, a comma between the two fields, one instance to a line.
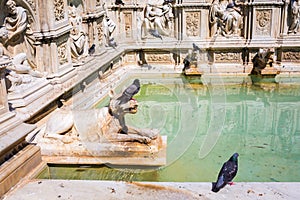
x=260, y=121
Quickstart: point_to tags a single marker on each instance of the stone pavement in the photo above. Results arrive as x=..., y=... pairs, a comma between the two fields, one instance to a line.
x=112, y=190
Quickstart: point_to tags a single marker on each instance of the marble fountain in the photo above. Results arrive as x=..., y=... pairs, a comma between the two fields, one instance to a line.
x=61, y=57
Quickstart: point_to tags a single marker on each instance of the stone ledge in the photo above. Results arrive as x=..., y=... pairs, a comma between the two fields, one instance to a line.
x=12, y=171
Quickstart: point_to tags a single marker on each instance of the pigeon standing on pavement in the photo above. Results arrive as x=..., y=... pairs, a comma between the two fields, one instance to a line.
x=227, y=173
x=130, y=91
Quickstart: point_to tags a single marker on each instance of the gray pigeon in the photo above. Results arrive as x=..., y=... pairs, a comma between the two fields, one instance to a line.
x=130, y=91
x=227, y=173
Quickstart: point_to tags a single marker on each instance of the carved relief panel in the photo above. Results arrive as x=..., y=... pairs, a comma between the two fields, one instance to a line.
x=263, y=22
x=62, y=53
x=99, y=29
x=128, y=24
x=291, y=56
x=59, y=9
x=193, y=23
x=227, y=57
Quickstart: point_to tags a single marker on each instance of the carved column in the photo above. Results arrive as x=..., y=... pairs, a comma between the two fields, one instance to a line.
x=3, y=94
x=53, y=51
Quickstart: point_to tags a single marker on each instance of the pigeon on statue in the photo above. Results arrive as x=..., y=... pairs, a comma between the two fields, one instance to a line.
x=119, y=2
x=227, y=173
x=130, y=91
x=155, y=33
x=195, y=47
x=92, y=49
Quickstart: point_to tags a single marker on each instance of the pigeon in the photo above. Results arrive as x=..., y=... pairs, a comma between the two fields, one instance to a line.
x=195, y=47
x=119, y=2
x=92, y=49
x=112, y=43
x=227, y=173
x=130, y=91
x=155, y=33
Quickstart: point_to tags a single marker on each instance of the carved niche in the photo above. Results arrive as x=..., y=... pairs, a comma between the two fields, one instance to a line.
x=59, y=9
x=263, y=22
x=192, y=23
x=32, y=4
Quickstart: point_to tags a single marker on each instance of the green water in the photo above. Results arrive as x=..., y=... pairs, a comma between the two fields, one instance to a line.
x=205, y=125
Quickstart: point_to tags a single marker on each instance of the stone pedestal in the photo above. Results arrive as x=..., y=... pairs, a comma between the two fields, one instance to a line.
x=270, y=71
x=153, y=154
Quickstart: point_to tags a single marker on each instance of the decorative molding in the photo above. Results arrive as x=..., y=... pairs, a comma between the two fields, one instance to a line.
x=192, y=23
x=228, y=57
x=263, y=22
x=59, y=10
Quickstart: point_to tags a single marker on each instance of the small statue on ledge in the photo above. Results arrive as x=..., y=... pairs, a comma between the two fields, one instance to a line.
x=263, y=62
x=190, y=62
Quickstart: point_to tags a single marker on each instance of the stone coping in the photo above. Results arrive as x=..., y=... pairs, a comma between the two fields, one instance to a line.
x=86, y=189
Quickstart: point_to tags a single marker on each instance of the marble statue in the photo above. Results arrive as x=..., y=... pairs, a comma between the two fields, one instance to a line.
x=20, y=72
x=295, y=11
x=109, y=27
x=78, y=38
x=158, y=17
x=17, y=43
x=225, y=18
x=16, y=35
x=103, y=125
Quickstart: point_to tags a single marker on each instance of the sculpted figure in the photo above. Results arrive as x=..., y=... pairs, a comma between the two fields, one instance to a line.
x=109, y=27
x=16, y=34
x=294, y=27
x=20, y=72
x=99, y=125
x=264, y=58
x=159, y=18
x=79, y=39
x=225, y=18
